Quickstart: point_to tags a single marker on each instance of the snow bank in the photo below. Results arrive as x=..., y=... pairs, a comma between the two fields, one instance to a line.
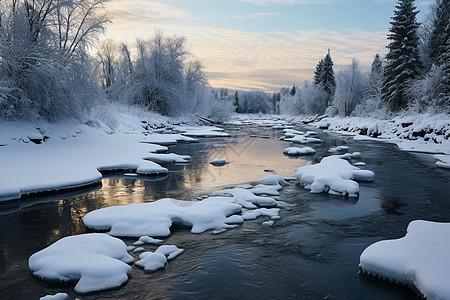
x=294, y=151
x=61, y=164
x=97, y=261
x=419, y=259
x=156, y=218
x=333, y=175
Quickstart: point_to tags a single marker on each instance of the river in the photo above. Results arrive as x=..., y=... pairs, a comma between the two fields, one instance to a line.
x=312, y=252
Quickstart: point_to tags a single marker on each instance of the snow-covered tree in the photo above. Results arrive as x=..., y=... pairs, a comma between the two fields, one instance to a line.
x=439, y=34
x=444, y=83
x=318, y=72
x=403, y=61
x=45, y=69
x=324, y=75
x=375, y=79
x=349, y=89
x=107, y=54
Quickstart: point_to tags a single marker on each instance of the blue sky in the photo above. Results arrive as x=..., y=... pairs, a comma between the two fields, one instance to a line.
x=262, y=44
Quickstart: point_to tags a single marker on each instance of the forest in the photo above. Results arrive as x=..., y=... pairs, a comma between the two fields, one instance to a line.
x=53, y=66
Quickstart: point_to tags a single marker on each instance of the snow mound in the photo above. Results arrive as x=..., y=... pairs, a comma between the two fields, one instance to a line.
x=59, y=296
x=293, y=151
x=245, y=198
x=168, y=158
x=156, y=218
x=202, y=131
x=274, y=180
x=152, y=261
x=333, y=175
x=96, y=260
x=302, y=139
x=419, y=259
x=167, y=139
x=147, y=240
x=219, y=162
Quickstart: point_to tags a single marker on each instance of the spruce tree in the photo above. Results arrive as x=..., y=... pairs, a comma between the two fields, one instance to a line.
x=374, y=80
x=236, y=102
x=327, y=75
x=439, y=34
x=402, y=61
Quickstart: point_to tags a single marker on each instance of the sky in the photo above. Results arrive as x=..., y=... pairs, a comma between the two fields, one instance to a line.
x=262, y=44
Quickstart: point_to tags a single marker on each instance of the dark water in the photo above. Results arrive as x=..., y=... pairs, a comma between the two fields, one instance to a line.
x=312, y=252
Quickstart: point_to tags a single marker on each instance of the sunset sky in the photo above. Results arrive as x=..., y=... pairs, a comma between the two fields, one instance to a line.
x=262, y=44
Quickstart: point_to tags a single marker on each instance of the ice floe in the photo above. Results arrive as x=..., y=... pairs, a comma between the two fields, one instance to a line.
x=156, y=218
x=96, y=260
x=295, y=151
x=333, y=175
x=420, y=259
x=167, y=139
x=168, y=158
x=202, y=131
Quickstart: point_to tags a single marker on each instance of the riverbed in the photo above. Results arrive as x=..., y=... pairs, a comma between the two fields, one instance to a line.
x=312, y=252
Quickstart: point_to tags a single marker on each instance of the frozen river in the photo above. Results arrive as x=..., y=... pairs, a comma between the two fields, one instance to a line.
x=312, y=252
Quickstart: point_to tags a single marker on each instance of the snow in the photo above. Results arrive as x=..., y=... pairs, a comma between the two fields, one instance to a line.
x=333, y=175
x=59, y=164
x=147, y=240
x=246, y=198
x=273, y=213
x=359, y=164
x=156, y=218
x=96, y=260
x=268, y=223
x=152, y=261
x=443, y=161
x=419, y=259
x=339, y=148
x=202, y=131
x=168, y=158
x=293, y=151
x=274, y=180
x=167, y=139
x=59, y=296
x=262, y=189
x=302, y=139
x=218, y=162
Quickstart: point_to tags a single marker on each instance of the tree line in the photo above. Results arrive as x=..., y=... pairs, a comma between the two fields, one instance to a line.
x=413, y=75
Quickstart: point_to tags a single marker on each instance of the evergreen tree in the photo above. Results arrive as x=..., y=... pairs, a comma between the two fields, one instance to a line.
x=236, y=101
x=318, y=72
x=327, y=75
x=402, y=61
x=439, y=34
x=444, y=84
x=293, y=90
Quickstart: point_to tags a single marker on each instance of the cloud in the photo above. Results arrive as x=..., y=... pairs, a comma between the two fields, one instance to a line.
x=291, y=2
x=258, y=16
x=130, y=12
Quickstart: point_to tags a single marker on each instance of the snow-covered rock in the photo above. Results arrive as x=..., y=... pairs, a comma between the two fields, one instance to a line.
x=147, y=240
x=96, y=260
x=202, y=131
x=419, y=259
x=273, y=213
x=167, y=139
x=245, y=198
x=218, y=162
x=302, y=139
x=274, y=180
x=58, y=296
x=167, y=158
x=333, y=175
x=293, y=151
x=156, y=218
x=263, y=189
x=443, y=161
x=152, y=261
x=338, y=148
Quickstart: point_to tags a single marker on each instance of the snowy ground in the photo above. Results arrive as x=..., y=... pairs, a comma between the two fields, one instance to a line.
x=423, y=133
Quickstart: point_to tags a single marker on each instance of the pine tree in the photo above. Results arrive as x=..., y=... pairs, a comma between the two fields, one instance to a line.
x=236, y=101
x=444, y=84
x=374, y=80
x=402, y=61
x=439, y=35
